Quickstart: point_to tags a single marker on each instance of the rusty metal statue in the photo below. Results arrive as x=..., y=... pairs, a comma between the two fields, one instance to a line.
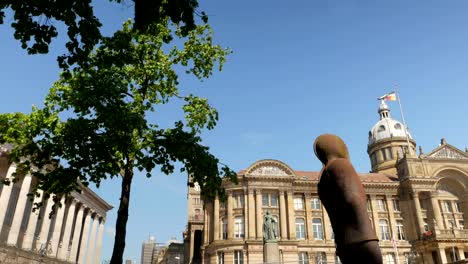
x=341, y=192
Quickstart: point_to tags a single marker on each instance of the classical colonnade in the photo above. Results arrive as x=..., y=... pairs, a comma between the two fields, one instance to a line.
x=74, y=232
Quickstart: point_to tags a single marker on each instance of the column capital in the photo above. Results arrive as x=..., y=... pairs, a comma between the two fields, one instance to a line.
x=251, y=191
x=414, y=195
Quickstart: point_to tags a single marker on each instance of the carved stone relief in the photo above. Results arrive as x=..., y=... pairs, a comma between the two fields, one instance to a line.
x=447, y=153
x=269, y=171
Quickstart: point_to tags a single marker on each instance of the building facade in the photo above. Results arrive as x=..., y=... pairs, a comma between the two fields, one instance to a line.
x=417, y=204
x=72, y=235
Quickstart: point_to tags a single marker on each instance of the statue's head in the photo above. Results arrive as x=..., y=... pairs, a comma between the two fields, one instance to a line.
x=328, y=147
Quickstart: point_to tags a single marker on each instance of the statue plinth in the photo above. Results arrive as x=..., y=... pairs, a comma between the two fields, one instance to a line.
x=271, y=252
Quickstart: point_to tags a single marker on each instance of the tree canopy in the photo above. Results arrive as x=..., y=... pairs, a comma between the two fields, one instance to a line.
x=34, y=27
x=95, y=123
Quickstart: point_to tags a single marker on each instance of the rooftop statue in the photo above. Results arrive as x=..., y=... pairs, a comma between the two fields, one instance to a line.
x=342, y=194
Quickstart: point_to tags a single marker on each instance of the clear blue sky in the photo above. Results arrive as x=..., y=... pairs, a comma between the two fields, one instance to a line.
x=299, y=69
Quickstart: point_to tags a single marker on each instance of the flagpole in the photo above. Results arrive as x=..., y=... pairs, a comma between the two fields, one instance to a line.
x=404, y=123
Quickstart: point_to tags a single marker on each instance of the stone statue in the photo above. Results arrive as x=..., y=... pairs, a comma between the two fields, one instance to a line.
x=269, y=227
x=342, y=194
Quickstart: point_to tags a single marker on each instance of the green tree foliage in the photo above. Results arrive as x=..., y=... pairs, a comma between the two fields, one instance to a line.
x=95, y=123
x=34, y=23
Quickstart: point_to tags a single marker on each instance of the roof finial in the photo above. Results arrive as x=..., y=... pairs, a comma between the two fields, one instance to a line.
x=383, y=111
x=421, y=151
x=443, y=141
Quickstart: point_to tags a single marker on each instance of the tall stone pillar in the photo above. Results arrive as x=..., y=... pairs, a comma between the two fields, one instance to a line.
x=283, y=221
x=57, y=228
x=6, y=193
x=230, y=218
x=375, y=215
x=216, y=218
x=436, y=211
x=30, y=233
x=391, y=216
x=84, y=238
x=327, y=228
x=76, y=234
x=251, y=214
x=419, y=219
x=246, y=214
x=92, y=240
x=308, y=224
x=97, y=254
x=45, y=226
x=291, y=218
x=62, y=252
x=442, y=256
x=192, y=241
x=19, y=211
x=259, y=214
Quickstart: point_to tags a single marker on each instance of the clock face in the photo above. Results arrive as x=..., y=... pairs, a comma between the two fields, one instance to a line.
x=197, y=187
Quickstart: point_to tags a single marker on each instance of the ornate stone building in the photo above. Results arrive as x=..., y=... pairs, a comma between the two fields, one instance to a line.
x=417, y=204
x=72, y=235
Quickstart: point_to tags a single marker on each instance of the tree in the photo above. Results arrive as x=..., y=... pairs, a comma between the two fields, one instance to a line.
x=35, y=19
x=95, y=123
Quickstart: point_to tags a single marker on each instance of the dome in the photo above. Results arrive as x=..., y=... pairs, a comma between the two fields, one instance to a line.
x=386, y=127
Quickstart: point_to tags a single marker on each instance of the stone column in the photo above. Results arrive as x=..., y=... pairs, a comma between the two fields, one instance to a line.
x=92, y=240
x=84, y=238
x=230, y=218
x=76, y=234
x=216, y=218
x=419, y=219
x=192, y=241
x=461, y=253
x=391, y=216
x=206, y=224
x=57, y=228
x=246, y=214
x=436, y=210
x=30, y=233
x=442, y=256
x=45, y=226
x=308, y=224
x=283, y=221
x=97, y=254
x=251, y=214
x=6, y=193
x=327, y=228
x=62, y=252
x=375, y=215
x=19, y=211
x=259, y=214
x=291, y=219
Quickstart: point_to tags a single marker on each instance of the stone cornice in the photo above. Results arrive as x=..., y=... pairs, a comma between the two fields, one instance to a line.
x=92, y=200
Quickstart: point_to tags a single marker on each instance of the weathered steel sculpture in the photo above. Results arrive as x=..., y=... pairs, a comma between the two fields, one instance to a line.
x=343, y=196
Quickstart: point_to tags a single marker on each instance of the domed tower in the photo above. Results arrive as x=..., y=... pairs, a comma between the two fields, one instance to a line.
x=388, y=142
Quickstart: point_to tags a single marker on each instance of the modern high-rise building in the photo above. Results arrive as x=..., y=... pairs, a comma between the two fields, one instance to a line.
x=73, y=234
x=147, y=249
x=417, y=204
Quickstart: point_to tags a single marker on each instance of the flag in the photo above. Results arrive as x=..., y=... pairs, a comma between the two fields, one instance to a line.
x=388, y=97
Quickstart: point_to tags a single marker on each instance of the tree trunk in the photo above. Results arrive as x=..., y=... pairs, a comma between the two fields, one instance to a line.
x=122, y=217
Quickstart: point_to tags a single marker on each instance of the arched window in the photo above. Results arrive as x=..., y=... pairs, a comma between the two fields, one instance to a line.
x=381, y=128
x=239, y=227
x=400, y=230
x=300, y=228
x=317, y=228
x=384, y=232
x=303, y=258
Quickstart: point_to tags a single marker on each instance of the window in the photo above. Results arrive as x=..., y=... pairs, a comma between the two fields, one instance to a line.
x=196, y=200
x=381, y=128
x=447, y=206
x=315, y=203
x=303, y=258
x=298, y=203
x=321, y=258
x=390, y=258
x=238, y=200
x=461, y=224
x=220, y=257
x=400, y=152
x=451, y=224
x=270, y=200
x=457, y=207
x=384, y=154
x=396, y=205
x=239, y=227
x=238, y=257
x=384, y=233
x=373, y=159
x=389, y=153
x=400, y=230
x=317, y=228
x=381, y=206
x=397, y=126
x=224, y=227
x=300, y=228
x=426, y=226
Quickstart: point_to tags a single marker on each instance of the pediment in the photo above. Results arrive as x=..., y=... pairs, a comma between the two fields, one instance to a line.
x=269, y=168
x=447, y=151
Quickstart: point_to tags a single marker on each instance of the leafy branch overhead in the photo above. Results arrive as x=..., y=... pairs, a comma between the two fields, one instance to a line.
x=34, y=23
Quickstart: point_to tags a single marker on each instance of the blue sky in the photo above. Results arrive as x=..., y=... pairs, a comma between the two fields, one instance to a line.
x=299, y=69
